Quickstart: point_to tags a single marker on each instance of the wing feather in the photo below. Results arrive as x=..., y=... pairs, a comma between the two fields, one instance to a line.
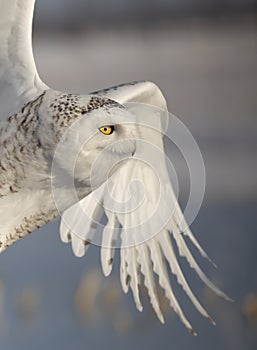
x=80, y=226
x=160, y=269
x=181, y=223
x=109, y=239
x=19, y=80
x=169, y=254
x=185, y=252
x=144, y=261
x=124, y=274
x=133, y=271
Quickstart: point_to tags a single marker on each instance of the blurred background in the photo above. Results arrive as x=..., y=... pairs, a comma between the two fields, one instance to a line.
x=203, y=55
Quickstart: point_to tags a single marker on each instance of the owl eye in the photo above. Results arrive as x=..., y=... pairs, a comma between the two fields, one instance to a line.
x=107, y=130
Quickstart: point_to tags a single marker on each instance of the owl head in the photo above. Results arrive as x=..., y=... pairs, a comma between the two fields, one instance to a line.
x=92, y=136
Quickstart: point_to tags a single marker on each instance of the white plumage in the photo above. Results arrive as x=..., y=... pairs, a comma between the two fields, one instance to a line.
x=50, y=139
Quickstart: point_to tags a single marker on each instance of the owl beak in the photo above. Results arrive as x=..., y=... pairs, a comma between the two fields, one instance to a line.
x=132, y=154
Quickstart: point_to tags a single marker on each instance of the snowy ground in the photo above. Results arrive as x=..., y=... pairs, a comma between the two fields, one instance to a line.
x=208, y=73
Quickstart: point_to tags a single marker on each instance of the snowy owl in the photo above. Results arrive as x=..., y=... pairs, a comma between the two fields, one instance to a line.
x=85, y=157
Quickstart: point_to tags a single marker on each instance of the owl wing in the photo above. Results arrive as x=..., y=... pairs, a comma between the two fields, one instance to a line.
x=19, y=85
x=19, y=80
x=141, y=211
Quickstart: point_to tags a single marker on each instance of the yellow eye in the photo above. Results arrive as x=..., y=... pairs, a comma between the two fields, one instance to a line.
x=107, y=130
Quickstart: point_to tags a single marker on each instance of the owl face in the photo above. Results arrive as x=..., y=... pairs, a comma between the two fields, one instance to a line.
x=96, y=143
x=110, y=140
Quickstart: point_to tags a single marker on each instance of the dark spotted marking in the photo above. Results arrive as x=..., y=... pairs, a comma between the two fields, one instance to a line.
x=87, y=242
x=21, y=128
x=13, y=190
x=69, y=236
x=67, y=108
x=28, y=225
x=128, y=279
x=98, y=102
x=114, y=88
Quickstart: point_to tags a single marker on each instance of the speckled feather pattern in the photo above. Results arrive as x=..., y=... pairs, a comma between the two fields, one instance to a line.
x=27, y=226
x=24, y=156
x=66, y=108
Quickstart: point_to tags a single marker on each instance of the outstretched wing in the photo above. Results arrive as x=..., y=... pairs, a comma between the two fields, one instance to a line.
x=19, y=85
x=141, y=209
x=19, y=80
